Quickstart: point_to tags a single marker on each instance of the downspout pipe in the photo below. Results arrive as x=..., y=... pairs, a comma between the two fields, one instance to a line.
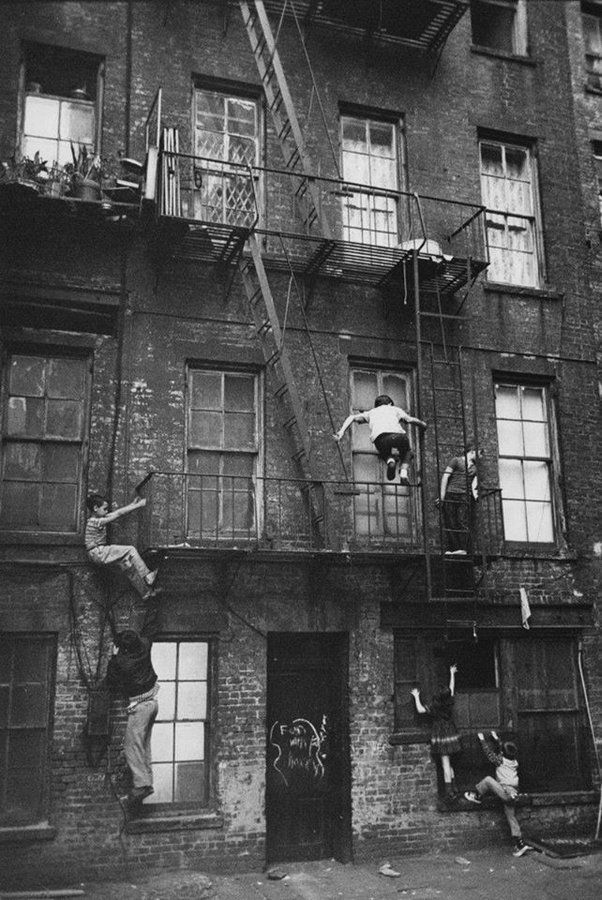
x=593, y=733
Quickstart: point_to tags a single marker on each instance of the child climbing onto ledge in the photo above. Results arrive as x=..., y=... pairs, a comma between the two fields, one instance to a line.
x=387, y=434
x=445, y=739
x=127, y=558
x=505, y=784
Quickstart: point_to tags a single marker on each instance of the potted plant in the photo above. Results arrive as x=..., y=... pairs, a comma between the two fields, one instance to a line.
x=85, y=173
x=57, y=182
x=23, y=172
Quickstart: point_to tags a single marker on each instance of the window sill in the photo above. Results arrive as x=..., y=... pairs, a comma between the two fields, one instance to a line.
x=399, y=738
x=479, y=50
x=528, y=551
x=22, y=538
x=590, y=89
x=25, y=834
x=498, y=287
x=155, y=823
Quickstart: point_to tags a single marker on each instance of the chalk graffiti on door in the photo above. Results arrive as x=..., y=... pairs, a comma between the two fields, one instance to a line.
x=300, y=747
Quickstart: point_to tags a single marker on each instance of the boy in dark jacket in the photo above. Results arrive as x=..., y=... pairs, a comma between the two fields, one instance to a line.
x=130, y=673
x=505, y=784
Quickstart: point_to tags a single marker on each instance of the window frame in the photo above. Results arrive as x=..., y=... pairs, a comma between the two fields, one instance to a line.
x=210, y=737
x=592, y=56
x=518, y=30
x=373, y=118
x=50, y=643
x=96, y=103
x=379, y=487
x=47, y=352
x=534, y=219
x=222, y=533
x=227, y=91
x=552, y=459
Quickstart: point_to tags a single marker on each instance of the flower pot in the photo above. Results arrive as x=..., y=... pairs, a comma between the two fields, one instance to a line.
x=86, y=190
x=53, y=189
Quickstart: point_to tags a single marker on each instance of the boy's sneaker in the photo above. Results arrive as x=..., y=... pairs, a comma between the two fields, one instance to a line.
x=472, y=797
x=404, y=478
x=520, y=848
x=391, y=466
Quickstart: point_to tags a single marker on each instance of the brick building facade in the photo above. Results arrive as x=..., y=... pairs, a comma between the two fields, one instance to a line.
x=403, y=205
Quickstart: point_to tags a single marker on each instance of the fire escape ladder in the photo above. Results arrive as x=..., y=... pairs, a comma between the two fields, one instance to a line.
x=284, y=389
x=284, y=115
x=451, y=434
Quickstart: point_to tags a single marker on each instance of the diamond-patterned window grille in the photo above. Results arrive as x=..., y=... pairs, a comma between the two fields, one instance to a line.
x=226, y=131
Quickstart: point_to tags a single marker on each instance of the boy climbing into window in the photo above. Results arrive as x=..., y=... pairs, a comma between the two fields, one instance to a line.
x=387, y=434
x=505, y=784
x=127, y=558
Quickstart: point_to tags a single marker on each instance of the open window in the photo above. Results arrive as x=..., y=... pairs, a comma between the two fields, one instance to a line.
x=62, y=97
x=591, y=17
x=500, y=25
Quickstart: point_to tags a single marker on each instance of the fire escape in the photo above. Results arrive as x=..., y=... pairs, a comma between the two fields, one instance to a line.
x=432, y=269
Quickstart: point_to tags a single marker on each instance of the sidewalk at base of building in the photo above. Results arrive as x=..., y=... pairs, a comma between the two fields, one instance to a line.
x=491, y=874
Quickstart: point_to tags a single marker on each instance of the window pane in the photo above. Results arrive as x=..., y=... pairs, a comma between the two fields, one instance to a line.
x=162, y=741
x=239, y=464
x=354, y=135
x=540, y=524
x=533, y=404
x=239, y=392
x=77, y=123
x=30, y=662
x=41, y=116
x=19, y=504
x=27, y=376
x=162, y=782
x=58, y=507
x=396, y=387
x=365, y=389
x=65, y=379
x=506, y=402
x=167, y=699
x=22, y=461
x=190, y=741
x=64, y=418
x=193, y=661
x=61, y=463
x=205, y=429
x=190, y=781
x=192, y=700
x=28, y=706
x=25, y=415
x=164, y=660
x=510, y=437
x=536, y=439
x=205, y=390
x=511, y=478
x=515, y=523
x=239, y=431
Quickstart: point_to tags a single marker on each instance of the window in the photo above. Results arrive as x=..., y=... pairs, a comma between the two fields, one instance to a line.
x=26, y=684
x=43, y=442
x=509, y=191
x=226, y=131
x=59, y=102
x=180, y=739
x=500, y=25
x=592, y=36
x=549, y=719
x=370, y=157
x=525, y=462
x=223, y=453
x=383, y=510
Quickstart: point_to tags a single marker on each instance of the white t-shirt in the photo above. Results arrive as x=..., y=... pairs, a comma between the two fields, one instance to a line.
x=384, y=420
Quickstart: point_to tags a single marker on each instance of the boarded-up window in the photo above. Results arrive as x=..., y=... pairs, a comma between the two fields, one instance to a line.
x=523, y=414
x=509, y=191
x=550, y=721
x=26, y=678
x=42, y=443
x=180, y=738
x=369, y=156
x=223, y=451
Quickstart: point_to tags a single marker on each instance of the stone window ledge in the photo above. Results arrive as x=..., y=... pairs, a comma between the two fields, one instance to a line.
x=516, y=290
x=24, y=834
x=154, y=824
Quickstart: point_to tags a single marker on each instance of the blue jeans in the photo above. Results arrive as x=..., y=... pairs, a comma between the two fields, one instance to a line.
x=137, y=741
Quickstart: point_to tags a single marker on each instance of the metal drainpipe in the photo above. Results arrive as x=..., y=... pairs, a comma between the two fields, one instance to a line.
x=591, y=726
x=424, y=489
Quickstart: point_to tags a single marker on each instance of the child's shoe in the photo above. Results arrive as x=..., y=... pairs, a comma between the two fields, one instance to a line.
x=388, y=870
x=520, y=848
x=472, y=797
x=404, y=478
x=391, y=466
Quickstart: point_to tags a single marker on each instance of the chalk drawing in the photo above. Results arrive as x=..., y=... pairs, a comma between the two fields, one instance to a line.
x=300, y=747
